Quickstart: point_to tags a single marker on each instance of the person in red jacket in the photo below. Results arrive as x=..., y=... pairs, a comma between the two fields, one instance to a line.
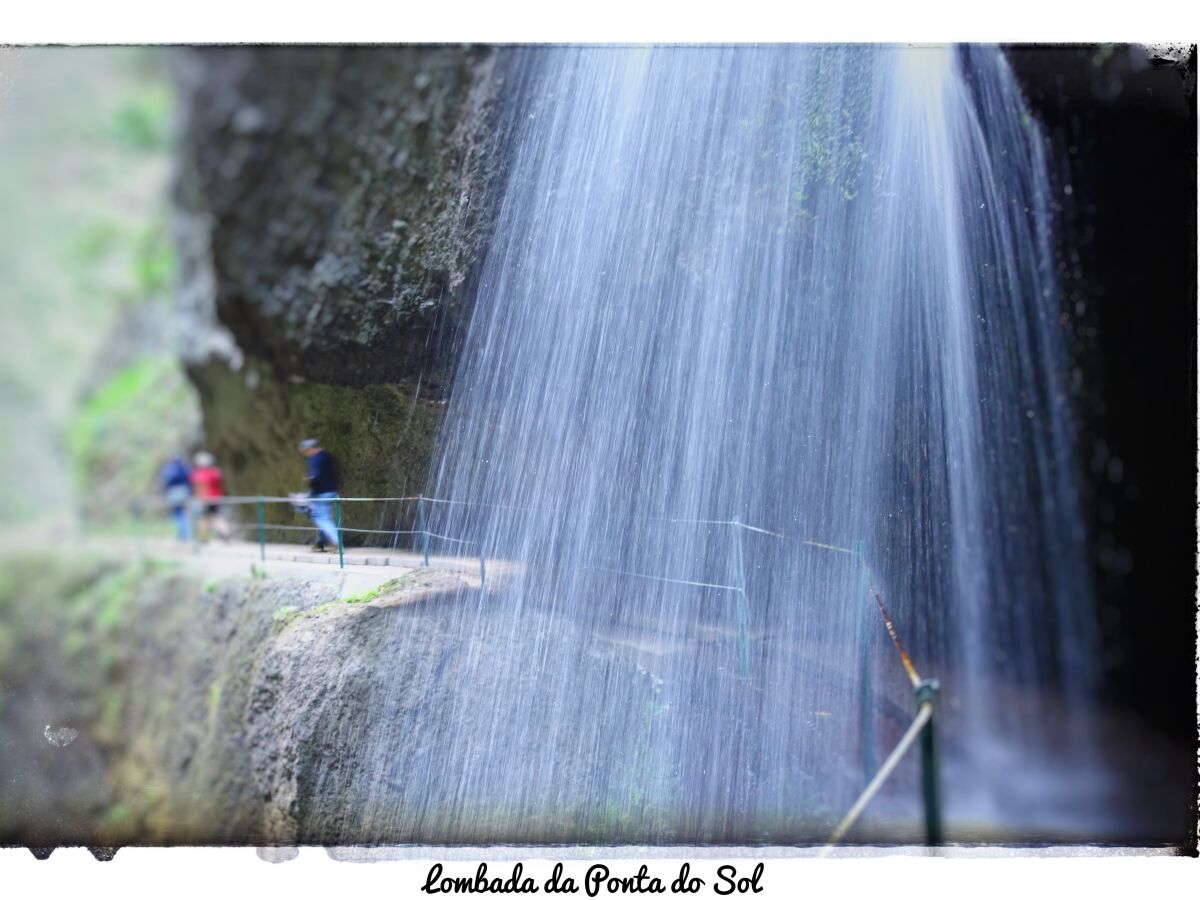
x=208, y=487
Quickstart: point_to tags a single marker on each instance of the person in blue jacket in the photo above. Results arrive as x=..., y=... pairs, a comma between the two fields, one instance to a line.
x=322, y=481
x=175, y=479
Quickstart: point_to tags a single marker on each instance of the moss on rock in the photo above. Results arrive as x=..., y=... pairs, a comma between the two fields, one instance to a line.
x=382, y=437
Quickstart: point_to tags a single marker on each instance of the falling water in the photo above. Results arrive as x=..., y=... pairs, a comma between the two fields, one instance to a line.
x=804, y=289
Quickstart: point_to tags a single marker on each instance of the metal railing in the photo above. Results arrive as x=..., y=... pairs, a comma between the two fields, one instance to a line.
x=261, y=526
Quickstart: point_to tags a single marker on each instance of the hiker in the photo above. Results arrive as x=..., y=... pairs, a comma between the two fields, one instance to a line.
x=208, y=487
x=322, y=481
x=177, y=491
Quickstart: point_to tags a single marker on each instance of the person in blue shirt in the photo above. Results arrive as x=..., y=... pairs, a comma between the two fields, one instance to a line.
x=322, y=481
x=175, y=479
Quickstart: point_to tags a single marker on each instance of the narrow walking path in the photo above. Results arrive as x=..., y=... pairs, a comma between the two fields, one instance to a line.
x=363, y=567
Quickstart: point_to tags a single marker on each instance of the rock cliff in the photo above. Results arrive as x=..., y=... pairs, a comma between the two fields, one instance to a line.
x=140, y=704
x=332, y=206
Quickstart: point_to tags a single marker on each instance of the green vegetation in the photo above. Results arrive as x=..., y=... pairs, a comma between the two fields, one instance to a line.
x=287, y=614
x=390, y=586
x=117, y=814
x=154, y=262
x=95, y=241
x=214, y=702
x=141, y=122
x=124, y=432
x=85, y=244
x=108, y=724
x=93, y=616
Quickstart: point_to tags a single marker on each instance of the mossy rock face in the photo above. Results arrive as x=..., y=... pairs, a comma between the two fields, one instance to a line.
x=275, y=711
x=382, y=437
x=333, y=206
x=125, y=690
x=333, y=203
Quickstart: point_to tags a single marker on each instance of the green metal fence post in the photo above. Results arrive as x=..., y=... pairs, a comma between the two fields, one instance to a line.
x=866, y=675
x=743, y=605
x=337, y=504
x=931, y=788
x=424, y=532
x=262, y=531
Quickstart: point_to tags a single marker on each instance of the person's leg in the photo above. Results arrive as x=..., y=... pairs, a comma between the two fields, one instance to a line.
x=322, y=507
x=224, y=531
x=328, y=526
x=315, y=511
x=182, y=526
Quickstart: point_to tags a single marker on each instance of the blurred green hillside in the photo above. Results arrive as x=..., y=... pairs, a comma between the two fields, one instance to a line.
x=90, y=394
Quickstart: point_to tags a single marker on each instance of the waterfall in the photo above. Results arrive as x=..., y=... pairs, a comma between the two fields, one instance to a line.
x=805, y=289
